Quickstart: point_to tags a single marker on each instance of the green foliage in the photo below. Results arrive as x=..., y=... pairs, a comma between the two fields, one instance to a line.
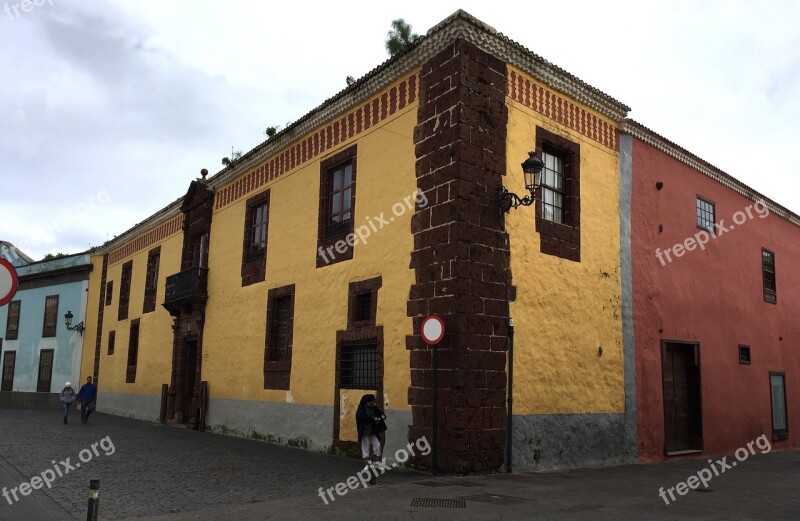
x=51, y=256
x=228, y=161
x=400, y=38
x=271, y=131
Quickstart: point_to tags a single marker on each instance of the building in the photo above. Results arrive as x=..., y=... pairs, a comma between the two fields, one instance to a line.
x=716, y=282
x=275, y=293
x=39, y=353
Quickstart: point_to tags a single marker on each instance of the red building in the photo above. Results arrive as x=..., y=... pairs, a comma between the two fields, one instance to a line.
x=715, y=272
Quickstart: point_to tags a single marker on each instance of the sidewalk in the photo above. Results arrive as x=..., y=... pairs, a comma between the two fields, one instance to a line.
x=35, y=507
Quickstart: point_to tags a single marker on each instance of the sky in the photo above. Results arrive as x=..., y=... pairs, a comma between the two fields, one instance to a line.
x=109, y=109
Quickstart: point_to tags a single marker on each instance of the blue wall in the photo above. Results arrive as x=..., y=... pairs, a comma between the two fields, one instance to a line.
x=67, y=345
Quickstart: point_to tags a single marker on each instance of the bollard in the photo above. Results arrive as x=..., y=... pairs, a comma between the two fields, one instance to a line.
x=94, y=500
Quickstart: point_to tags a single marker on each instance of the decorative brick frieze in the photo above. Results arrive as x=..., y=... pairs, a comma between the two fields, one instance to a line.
x=461, y=257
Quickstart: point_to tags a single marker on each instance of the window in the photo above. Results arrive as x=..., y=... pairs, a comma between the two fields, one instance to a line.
x=9, y=359
x=558, y=205
x=744, y=355
x=358, y=366
x=50, y=316
x=151, y=280
x=336, y=207
x=254, y=248
x=109, y=292
x=45, y=371
x=133, y=352
x=363, y=302
x=363, y=308
x=125, y=290
x=768, y=272
x=112, y=339
x=706, y=218
x=553, y=188
x=278, y=348
x=12, y=321
x=780, y=421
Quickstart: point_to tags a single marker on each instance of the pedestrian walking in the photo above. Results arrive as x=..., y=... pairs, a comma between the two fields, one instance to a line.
x=370, y=423
x=86, y=397
x=67, y=397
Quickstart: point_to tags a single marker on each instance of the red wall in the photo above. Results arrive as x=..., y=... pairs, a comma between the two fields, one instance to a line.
x=714, y=297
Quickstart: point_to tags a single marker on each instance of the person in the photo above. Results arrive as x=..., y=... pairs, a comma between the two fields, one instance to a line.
x=370, y=423
x=86, y=397
x=67, y=397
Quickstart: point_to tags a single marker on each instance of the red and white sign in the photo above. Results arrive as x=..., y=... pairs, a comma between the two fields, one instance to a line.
x=8, y=282
x=432, y=330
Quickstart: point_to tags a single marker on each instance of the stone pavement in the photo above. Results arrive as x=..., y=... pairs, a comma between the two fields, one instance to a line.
x=158, y=473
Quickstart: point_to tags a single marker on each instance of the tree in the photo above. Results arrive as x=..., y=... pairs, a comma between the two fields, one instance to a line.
x=400, y=38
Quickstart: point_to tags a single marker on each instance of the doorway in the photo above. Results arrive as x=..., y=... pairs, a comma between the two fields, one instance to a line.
x=189, y=380
x=683, y=420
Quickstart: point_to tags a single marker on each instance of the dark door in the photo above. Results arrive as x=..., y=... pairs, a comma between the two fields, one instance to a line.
x=683, y=424
x=189, y=380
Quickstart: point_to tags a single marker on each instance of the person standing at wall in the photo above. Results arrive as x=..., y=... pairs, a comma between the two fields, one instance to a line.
x=370, y=423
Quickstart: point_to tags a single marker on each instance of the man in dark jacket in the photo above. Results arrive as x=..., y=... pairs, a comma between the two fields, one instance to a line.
x=86, y=397
x=369, y=423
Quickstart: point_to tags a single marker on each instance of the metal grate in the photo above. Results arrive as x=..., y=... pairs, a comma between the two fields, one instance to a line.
x=427, y=502
x=358, y=366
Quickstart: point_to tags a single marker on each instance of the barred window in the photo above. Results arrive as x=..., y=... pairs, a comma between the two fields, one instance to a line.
x=706, y=216
x=768, y=273
x=358, y=366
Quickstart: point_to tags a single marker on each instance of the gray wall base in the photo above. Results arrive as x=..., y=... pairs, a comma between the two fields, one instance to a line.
x=139, y=406
x=27, y=400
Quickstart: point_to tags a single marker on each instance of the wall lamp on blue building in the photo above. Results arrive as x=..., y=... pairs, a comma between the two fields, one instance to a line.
x=532, y=169
x=68, y=321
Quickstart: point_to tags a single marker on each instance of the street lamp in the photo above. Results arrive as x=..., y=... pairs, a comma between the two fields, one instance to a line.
x=68, y=321
x=532, y=169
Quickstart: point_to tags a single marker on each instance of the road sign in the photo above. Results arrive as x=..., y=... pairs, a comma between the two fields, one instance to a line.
x=432, y=330
x=8, y=282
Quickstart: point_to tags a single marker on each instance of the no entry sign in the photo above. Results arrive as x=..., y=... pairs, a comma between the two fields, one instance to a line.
x=8, y=282
x=432, y=330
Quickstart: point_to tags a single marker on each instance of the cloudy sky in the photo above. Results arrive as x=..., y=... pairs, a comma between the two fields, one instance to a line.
x=108, y=109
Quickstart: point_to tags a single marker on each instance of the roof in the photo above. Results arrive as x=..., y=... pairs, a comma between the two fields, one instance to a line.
x=658, y=141
x=13, y=254
x=458, y=25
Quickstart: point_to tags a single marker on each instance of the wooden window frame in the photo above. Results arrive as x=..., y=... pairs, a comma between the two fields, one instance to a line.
x=133, y=352
x=254, y=261
x=151, y=280
x=125, y=290
x=112, y=340
x=334, y=238
x=698, y=210
x=45, y=388
x=562, y=240
x=277, y=373
x=745, y=360
x=109, y=292
x=370, y=286
x=7, y=384
x=50, y=319
x=782, y=434
x=13, y=333
x=770, y=295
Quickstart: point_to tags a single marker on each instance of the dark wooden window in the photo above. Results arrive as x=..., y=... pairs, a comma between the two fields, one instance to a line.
x=780, y=418
x=112, y=339
x=45, y=371
x=744, y=355
x=50, y=316
x=133, y=352
x=768, y=272
x=12, y=320
x=151, y=280
x=363, y=308
x=9, y=360
x=558, y=205
x=256, y=235
x=706, y=215
x=336, y=207
x=109, y=292
x=278, y=348
x=363, y=302
x=358, y=366
x=125, y=290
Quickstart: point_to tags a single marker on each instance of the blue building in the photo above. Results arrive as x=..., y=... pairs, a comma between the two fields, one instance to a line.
x=39, y=353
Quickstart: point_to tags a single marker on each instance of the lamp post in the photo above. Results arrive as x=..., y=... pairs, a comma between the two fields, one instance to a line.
x=68, y=321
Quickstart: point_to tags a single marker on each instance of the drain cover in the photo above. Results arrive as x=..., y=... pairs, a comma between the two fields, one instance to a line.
x=438, y=503
x=496, y=499
x=703, y=490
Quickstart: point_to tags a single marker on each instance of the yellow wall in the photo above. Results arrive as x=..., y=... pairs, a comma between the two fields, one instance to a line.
x=565, y=310
x=233, y=340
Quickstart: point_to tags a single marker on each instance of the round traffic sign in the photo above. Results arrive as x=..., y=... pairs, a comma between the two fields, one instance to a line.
x=432, y=329
x=8, y=282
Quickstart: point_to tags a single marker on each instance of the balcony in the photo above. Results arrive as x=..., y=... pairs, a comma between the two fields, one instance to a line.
x=186, y=289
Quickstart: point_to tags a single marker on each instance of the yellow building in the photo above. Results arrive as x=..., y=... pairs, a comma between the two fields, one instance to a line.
x=274, y=294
